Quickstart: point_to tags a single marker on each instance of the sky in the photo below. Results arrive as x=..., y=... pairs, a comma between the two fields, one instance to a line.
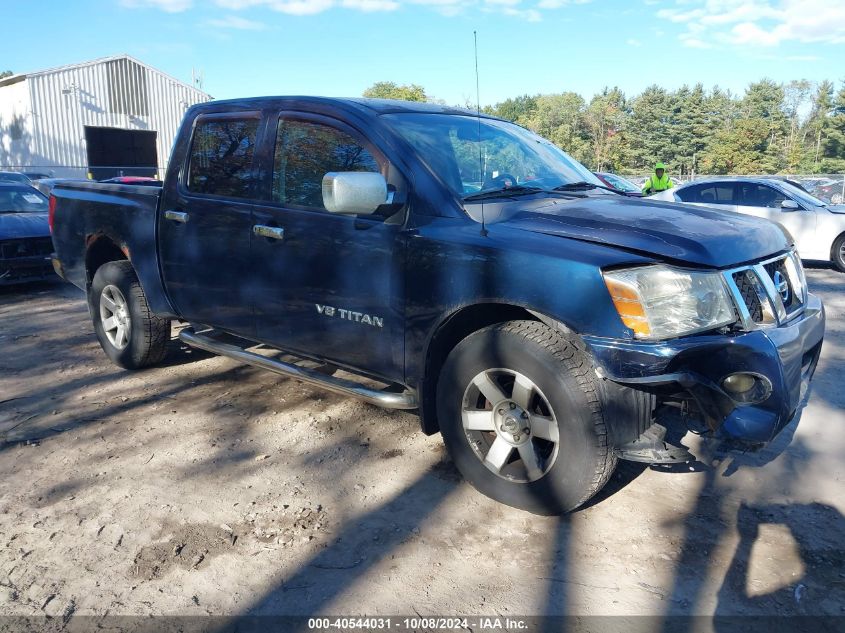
x=248, y=48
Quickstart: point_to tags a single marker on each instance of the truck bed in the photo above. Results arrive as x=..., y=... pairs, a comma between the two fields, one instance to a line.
x=112, y=216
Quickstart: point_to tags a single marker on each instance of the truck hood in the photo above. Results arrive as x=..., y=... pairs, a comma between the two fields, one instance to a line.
x=683, y=233
x=18, y=225
x=836, y=208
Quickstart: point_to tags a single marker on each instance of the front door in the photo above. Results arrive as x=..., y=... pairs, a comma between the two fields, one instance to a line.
x=765, y=201
x=205, y=224
x=327, y=285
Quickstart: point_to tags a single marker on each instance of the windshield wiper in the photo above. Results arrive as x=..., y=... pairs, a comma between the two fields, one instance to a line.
x=584, y=185
x=518, y=190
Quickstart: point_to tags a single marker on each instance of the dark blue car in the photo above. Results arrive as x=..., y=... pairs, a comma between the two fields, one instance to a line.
x=460, y=266
x=25, y=245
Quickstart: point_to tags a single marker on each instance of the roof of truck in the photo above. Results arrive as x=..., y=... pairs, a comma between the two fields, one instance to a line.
x=377, y=106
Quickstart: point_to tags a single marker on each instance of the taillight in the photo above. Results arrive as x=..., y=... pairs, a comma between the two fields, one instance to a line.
x=52, y=212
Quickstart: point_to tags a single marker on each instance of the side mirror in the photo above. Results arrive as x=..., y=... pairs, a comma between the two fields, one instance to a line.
x=354, y=192
x=789, y=205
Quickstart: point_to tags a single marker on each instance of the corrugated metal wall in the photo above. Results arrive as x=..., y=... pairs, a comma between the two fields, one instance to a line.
x=111, y=93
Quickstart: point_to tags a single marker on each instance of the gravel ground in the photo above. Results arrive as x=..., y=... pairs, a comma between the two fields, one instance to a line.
x=204, y=487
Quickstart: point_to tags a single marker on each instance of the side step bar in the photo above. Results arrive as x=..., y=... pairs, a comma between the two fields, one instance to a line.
x=382, y=398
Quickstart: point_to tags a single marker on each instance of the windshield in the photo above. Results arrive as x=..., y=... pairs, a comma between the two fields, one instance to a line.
x=506, y=157
x=802, y=196
x=620, y=183
x=22, y=200
x=11, y=176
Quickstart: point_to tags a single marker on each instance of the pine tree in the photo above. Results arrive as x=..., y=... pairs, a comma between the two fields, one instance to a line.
x=833, y=143
x=822, y=105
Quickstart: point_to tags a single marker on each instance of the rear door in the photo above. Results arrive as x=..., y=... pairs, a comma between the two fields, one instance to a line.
x=205, y=223
x=329, y=285
x=710, y=194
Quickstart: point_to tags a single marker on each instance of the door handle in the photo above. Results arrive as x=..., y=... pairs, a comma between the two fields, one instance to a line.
x=273, y=232
x=176, y=216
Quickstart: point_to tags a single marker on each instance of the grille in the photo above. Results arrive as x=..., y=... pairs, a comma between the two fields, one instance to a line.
x=34, y=247
x=749, y=295
x=768, y=293
x=779, y=268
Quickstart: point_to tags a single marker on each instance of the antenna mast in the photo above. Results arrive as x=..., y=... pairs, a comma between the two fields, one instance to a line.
x=478, y=116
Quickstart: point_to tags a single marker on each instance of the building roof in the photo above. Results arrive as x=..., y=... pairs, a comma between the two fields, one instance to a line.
x=37, y=73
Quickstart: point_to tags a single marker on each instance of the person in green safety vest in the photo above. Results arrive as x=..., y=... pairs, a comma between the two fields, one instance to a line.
x=658, y=181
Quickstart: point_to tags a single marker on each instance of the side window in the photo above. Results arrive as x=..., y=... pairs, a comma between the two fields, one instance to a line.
x=690, y=194
x=305, y=152
x=221, y=157
x=715, y=194
x=754, y=195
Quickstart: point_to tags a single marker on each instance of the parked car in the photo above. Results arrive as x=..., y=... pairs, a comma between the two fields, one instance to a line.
x=14, y=176
x=25, y=244
x=544, y=326
x=818, y=228
x=832, y=191
x=36, y=175
x=619, y=183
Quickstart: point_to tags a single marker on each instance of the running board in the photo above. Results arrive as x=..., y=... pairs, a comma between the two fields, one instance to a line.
x=380, y=397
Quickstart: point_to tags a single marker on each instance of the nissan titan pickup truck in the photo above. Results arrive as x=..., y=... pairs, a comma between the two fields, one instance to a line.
x=422, y=257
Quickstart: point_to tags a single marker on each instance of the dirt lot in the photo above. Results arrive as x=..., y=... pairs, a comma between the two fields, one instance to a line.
x=204, y=487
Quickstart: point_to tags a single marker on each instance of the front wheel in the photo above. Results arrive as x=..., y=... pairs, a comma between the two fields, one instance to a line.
x=130, y=335
x=838, y=253
x=520, y=414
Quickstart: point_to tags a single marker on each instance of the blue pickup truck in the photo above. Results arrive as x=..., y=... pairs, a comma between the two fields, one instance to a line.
x=457, y=265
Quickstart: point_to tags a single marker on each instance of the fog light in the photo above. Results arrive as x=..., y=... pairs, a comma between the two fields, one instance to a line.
x=739, y=383
x=747, y=388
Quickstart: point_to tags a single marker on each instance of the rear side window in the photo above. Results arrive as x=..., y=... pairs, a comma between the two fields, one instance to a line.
x=221, y=157
x=720, y=193
x=305, y=152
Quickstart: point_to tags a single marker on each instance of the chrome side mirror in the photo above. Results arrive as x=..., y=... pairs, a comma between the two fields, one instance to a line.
x=789, y=205
x=354, y=192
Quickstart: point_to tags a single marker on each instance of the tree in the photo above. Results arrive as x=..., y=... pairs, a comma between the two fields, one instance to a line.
x=795, y=94
x=833, y=145
x=560, y=118
x=389, y=90
x=648, y=129
x=605, y=119
x=514, y=109
x=817, y=122
x=763, y=102
x=6, y=73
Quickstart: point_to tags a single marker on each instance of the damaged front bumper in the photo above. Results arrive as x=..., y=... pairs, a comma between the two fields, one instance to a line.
x=695, y=368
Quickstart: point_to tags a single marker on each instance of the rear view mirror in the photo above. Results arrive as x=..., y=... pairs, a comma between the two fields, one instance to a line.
x=354, y=192
x=789, y=205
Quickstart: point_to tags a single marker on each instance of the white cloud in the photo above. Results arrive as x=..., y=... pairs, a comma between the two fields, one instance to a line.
x=370, y=5
x=531, y=10
x=757, y=23
x=236, y=22
x=633, y=42
x=171, y=6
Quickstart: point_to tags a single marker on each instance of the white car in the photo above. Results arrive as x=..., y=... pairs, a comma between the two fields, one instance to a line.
x=818, y=228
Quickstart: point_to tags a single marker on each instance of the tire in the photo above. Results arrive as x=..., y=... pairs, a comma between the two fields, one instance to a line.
x=837, y=253
x=564, y=401
x=130, y=335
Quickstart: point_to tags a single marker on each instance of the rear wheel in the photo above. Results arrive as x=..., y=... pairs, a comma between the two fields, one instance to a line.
x=838, y=253
x=130, y=335
x=519, y=412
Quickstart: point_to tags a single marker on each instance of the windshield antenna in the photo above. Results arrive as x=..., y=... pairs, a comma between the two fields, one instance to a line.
x=478, y=116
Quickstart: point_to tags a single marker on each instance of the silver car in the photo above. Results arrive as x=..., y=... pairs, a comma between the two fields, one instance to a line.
x=818, y=228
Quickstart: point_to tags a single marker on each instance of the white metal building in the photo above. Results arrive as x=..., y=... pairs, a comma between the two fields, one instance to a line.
x=110, y=116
